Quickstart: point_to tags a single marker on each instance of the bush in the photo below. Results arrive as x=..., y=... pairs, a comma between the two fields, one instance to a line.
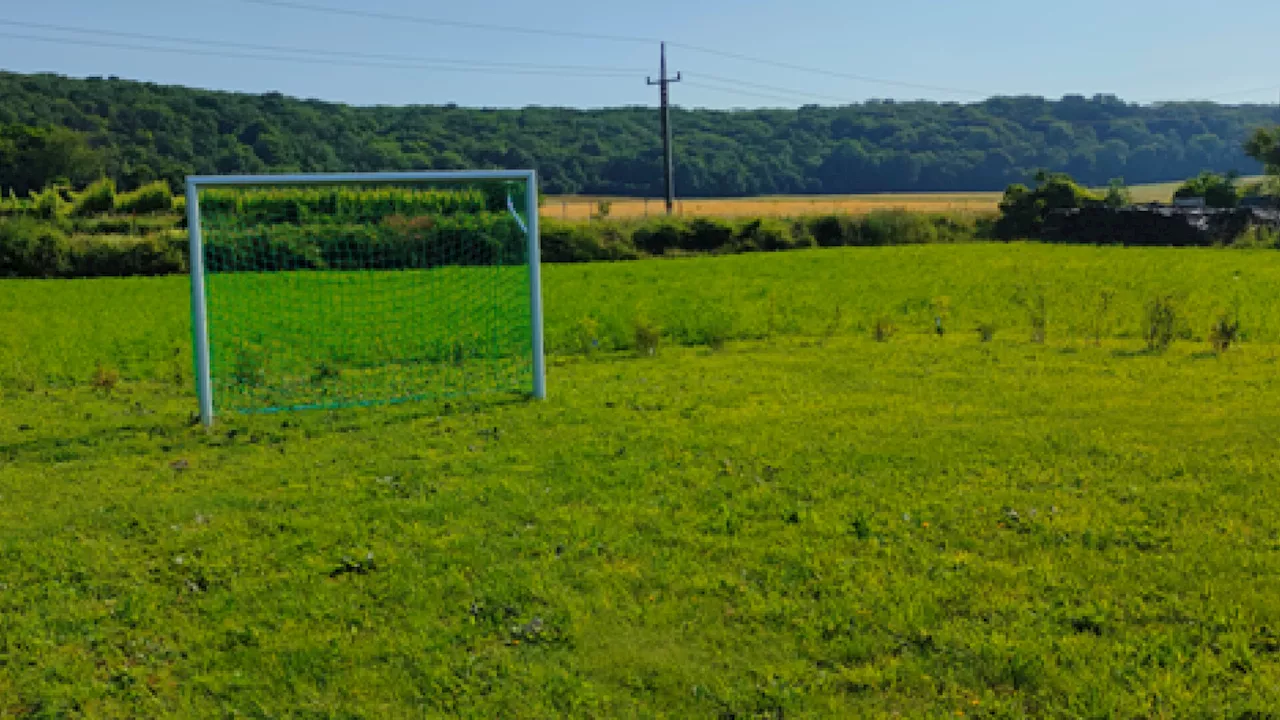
x=1160, y=323
x=896, y=227
x=707, y=235
x=1023, y=210
x=564, y=242
x=1224, y=333
x=1218, y=191
x=30, y=248
x=647, y=336
x=155, y=197
x=49, y=205
x=883, y=330
x=658, y=237
x=769, y=235
x=160, y=254
x=833, y=230
x=98, y=198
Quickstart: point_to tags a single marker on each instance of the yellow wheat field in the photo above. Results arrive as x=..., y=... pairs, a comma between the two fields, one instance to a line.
x=585, y=208
x=581, y=208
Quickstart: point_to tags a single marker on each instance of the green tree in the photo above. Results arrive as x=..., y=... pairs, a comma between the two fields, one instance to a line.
x=1264, y=146
x=1118, y=194
x=1023, y=210
x=150, y=132
x=1218, y=191
x=33, y=158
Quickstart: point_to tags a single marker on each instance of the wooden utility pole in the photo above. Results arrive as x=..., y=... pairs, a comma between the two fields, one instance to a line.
x=668, y=158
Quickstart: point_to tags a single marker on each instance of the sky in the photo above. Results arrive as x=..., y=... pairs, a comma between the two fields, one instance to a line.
x=731, y=53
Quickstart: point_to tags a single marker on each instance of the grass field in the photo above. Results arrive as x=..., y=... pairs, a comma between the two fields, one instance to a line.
x=575, y=207
x=774, y=516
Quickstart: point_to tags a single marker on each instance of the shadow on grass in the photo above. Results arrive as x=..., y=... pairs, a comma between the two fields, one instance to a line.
x=175, y=433
x=1142, y=353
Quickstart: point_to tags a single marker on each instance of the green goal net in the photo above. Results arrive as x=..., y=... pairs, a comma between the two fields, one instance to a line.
x=338, y=291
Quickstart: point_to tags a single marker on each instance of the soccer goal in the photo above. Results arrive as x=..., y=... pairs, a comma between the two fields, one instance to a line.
x=329, y=291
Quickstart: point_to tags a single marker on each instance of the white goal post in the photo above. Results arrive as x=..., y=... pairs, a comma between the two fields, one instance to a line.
x=529, y=226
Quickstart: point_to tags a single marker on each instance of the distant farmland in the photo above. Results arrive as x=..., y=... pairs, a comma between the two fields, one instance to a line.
x=579, y=207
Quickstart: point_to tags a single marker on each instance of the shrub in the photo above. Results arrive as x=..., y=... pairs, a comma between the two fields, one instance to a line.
x=587, y=335
x=1035, y=304
x=941, y=307
x=833, y=230
x=1023, y=210
x=1224, y=333
x=656, y=238
x=707, y=235
x=883, y=330
x=764, y=234
x=564, y=242
x=1101, y=321
x=49, y=205
x=1160, y=322
x=159, y=254
x=155, y=197
x=647, y=336
x=30, y=248
x=98, y=198
x=105, y=378
x=1218, y=191
x=896, y=227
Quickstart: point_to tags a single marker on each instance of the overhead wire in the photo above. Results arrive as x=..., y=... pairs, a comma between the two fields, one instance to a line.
x=606, y=37
x=829, y=73
x=772, y=90
x=323, y=52
x=444, y=22
x=439, y=67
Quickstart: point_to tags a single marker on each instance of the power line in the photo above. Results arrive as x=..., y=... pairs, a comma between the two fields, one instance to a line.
x=828, y=73
x=417, y=19
x=395, y=17
x=780, y=91
x=734, y=91
x=1237, y=93
x=309, y=60
x=318, y=52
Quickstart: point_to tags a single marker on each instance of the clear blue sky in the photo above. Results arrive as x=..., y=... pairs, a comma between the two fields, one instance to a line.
x=1141, y=50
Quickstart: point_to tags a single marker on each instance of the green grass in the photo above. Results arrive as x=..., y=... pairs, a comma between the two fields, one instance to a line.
x=57, y=332
x=810, y=523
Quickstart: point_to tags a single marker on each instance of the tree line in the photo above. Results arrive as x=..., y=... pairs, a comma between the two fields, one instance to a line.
x=54, y=128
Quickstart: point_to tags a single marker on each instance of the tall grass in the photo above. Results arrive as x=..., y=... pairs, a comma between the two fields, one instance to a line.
x=1095, y=295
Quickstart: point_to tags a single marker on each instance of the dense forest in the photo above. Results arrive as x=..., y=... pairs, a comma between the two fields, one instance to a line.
x=137, y=132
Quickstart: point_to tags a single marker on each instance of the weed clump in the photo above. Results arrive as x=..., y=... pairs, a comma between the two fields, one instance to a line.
x=105, y=378
x=1224, y=333
x=326, y=370
x=1038, y=316
x=586, y=335
x=883, y=330
x=986, y=331
x=1160, y=323
x=647, y=336
x=941, y=307
x=1101, y=321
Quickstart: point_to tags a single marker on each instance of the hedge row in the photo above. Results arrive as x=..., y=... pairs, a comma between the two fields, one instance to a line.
x=479, y=239
x=36, y=248
x=579, y=242
x=336, y=205
x=31, y=248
